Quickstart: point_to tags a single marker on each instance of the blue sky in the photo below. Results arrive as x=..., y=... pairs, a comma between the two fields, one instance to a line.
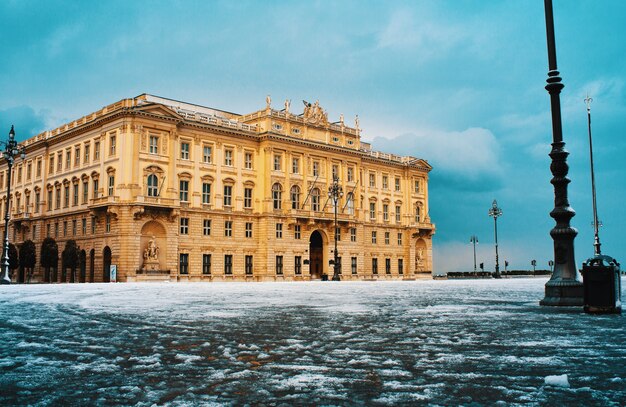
x=459, y=83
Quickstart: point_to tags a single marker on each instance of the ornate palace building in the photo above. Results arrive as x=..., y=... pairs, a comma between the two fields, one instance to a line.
x=166, y=190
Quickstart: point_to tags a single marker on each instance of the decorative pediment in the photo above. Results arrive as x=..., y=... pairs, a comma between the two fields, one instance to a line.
x=159, y=110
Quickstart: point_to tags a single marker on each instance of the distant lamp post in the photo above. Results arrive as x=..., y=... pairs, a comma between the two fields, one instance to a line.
x=335, y=192
x=11, y=151
x=564, y=287
x=495, y=212
x=596, y=223
x=534, y=264
x=550, y=264
x=474, y=240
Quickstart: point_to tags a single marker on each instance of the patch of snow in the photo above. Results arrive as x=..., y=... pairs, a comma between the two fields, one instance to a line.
x=557, y=381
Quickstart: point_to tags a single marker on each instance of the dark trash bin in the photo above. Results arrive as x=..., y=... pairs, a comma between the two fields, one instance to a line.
x=602, y=285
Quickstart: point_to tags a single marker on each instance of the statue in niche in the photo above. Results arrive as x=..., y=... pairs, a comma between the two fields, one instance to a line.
x=152, y=251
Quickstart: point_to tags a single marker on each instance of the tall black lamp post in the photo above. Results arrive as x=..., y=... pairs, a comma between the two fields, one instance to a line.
x=564, y=287
x=11, y=151
x=474, y=240
x=335, y=192
x=494, y=212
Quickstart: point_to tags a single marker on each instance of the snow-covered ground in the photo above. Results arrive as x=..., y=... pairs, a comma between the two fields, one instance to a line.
x=376, y=343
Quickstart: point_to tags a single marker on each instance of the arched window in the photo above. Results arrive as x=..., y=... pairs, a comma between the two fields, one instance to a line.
x=315, y=199
x=153, y=185
x=295, y=197
x=277, y=195
x=350, y=203
x=417, y=213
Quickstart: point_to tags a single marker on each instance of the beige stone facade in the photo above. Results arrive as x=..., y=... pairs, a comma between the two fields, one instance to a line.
x=167, y=190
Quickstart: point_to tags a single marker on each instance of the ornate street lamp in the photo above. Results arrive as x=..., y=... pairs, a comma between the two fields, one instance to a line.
x=564, y=287
x=335, y=192
x=11, y=151
x=596, y=223
x=474, y=240
x=494, y=212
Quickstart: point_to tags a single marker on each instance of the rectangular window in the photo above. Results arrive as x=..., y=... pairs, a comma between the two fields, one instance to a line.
x=96, y=151
x=228, y=264
x=59, y=162
x=184, y=151
x=29, y=170
x=228, y=157
x=85, y=191
x=38, y=173
x=247, y=198
x=112, y=145
x=74, y=227
x=298, y=265
x=64, y=228
x=34, y=232
x=248, y=263
x=76, y=156
x=353, y=234
x=56, y=229
x=374, y=266
x=48, y=230
x=206, y=193
x=400, y=266
x=399, y=239
x=107, y=224
x=84, y=226
x=297, y=232
x=374, y=237
x=248, y=160
x=417, y=186
x=338, y=233
x=111, y=188
x=385, y=182
x=386, y=212
x=353, y=264
x=66, y=196
x=398, y=213
x=397, y=184
x=87, y=148
x=228, y=195
x=68, y=159
x=184, y=226
x=335, y=171
x=95, y=188
x=58, y=198
x=75, y=195
x=279, y=231
x=207, y=154
x=184, y=190
x=206, y=227
x=50, y=200
x=372, y=180
x=206, y=263
x=386, y=237
x=372, y=211
x=248, y=230
x=295, y=166
x=153, y=145
x=387, y=266
x=228, y=228
x=279, y=265
x=50, y=164
x=183, y=264
x=37, y=201
x=316, y=168
x=350, y=174
x=278, y=160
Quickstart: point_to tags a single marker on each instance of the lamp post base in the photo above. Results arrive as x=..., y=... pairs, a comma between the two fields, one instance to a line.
x=336, y=277
x=563, y=293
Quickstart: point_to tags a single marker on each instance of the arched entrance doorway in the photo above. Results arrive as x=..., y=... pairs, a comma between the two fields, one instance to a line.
x=106, y=264
x=316, y=253
x=92, y=263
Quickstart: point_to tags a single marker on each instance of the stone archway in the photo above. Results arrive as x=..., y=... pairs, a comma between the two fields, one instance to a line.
x=106, y=264
x=153, y=234
x=316, y=254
